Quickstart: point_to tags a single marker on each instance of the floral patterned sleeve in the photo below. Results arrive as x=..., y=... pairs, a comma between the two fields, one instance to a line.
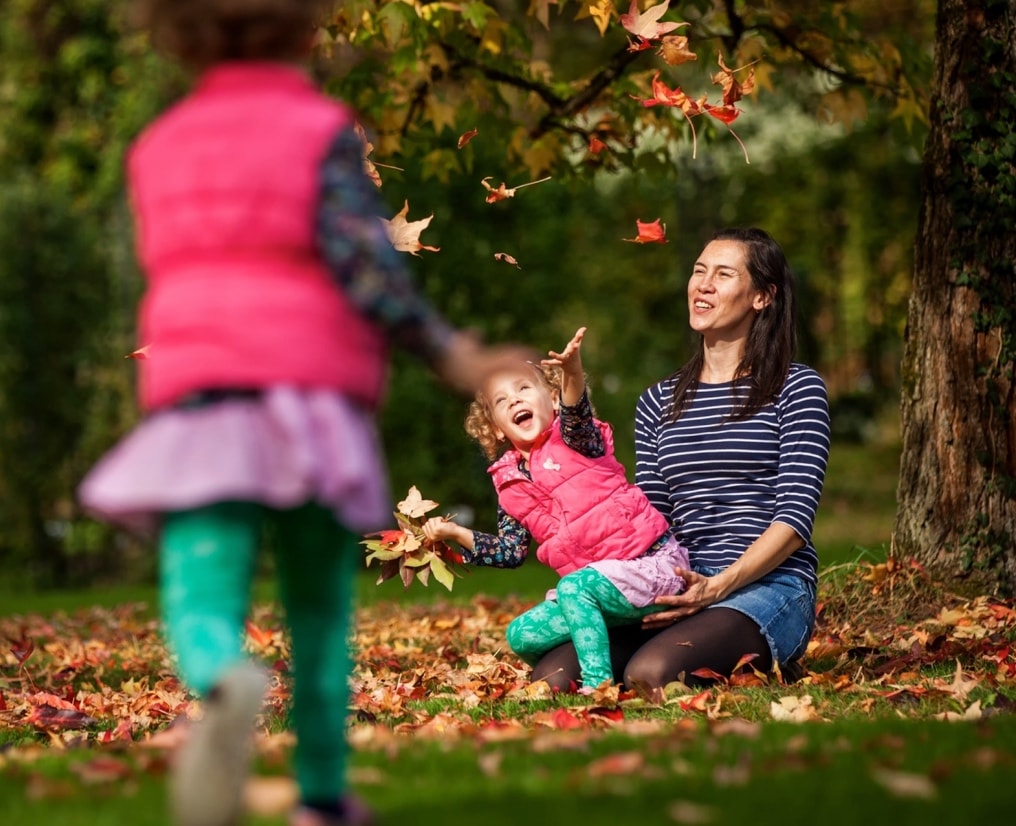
x=579, y=430
x=507, y=548
x=363, y=261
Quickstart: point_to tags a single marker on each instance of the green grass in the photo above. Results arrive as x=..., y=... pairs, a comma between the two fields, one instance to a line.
x=890, y=771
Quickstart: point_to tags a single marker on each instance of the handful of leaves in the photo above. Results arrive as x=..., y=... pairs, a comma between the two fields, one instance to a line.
x=406, y=552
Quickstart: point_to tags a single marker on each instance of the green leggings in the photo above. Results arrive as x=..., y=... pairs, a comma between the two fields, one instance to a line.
x=587, y=604
x=207, y=564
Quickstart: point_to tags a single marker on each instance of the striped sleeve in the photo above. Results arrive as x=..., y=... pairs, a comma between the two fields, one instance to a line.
x=803, y=410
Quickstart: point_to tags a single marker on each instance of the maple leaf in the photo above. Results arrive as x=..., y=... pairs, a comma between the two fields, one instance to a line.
x=502, y=192
x=596, y=146
x=466, y=137
x=674, y=50
x=508, y=259
x=405, y=235
x=415, y=505
x=649, y=233
x=601, y=11
x=140, y=353
x=645, y=25
x=733, y=90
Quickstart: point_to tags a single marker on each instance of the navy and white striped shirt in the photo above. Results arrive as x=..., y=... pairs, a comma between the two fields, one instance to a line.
x=722, y=482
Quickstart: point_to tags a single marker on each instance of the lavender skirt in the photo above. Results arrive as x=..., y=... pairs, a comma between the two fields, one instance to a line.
x=282, y=449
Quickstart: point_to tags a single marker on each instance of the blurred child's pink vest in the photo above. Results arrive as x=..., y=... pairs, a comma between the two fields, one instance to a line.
x=578, y=510
x=224, y=188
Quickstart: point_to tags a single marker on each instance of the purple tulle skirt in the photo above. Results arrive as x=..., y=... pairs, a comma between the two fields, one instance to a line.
x=282, y=449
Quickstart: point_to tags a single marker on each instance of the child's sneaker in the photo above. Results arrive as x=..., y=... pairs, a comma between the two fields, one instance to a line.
x=209, y=771
x=354, y=813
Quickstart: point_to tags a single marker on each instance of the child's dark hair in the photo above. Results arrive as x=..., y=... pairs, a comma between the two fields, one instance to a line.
x=480, y=422
x=200, y=33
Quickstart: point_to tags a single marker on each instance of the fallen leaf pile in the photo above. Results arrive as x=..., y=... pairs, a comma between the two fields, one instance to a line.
x=103, y=678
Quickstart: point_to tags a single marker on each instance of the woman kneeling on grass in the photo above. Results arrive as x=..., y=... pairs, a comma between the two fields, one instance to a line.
x=732, y=449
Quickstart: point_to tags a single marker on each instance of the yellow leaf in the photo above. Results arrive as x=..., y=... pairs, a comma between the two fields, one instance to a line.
x=441, y=114
x=600, y=10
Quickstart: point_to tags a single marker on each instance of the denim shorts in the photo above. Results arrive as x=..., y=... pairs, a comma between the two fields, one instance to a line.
x=783, y=607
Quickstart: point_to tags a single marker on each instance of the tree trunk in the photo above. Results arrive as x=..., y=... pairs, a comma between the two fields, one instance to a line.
x=957, y=491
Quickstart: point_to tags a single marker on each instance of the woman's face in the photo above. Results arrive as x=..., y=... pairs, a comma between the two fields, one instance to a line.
x=722, y=301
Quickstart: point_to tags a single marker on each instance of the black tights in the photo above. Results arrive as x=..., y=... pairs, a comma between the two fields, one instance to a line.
x=716, y=639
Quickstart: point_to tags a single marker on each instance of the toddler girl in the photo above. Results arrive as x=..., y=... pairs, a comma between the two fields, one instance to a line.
x=559, y=484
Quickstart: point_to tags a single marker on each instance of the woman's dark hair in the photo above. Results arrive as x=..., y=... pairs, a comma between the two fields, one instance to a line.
x=200, y=33
x=772, y=339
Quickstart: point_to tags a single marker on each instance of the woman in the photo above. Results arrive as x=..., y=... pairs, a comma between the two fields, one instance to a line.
x=732, y=449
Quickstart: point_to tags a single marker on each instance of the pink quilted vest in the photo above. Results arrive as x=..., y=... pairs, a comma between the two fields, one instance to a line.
x=224, y=188
x=578, y=510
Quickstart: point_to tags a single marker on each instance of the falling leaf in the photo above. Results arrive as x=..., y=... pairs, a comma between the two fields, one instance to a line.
x=733, y=90
x=645, y=25
x=649, y=233
x=140, y=353
x=466, y=137
x=508, y=259
x=502, y=192
x=368, y=147
x=405, y=235
x=601, y=11
x=674, y=50
x=596, y=146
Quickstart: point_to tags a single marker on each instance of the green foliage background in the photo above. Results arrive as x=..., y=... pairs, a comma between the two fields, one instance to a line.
x=75, y=87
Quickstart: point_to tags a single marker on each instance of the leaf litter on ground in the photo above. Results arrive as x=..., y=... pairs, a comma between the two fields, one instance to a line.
x=102, y=681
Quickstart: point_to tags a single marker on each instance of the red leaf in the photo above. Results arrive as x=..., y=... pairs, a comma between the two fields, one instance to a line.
x=649, y=233
x=140, y=353
x=596, y=146
x=564, y=719
x=21, y=648
x=466, y=137
x=46, y=716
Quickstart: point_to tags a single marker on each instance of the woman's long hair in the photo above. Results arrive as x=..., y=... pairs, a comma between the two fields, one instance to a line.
x=772, y=339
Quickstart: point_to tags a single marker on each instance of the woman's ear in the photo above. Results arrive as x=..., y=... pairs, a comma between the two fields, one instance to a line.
x=763, y=299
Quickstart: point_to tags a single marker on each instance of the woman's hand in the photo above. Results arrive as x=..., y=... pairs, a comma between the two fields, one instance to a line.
x=700, y=592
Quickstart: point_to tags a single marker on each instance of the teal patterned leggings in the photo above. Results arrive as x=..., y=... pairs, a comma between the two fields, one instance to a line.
x=587, y=605
x=207, y=561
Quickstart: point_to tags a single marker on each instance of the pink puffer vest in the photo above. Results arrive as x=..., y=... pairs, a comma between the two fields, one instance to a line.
x=579, y=510
x=224, y=188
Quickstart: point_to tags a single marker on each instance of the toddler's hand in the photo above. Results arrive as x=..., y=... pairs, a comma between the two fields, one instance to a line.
x=437, y=528
x=568, y=359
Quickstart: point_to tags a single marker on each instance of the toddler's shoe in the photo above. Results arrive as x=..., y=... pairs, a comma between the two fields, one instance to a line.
x=208, y=774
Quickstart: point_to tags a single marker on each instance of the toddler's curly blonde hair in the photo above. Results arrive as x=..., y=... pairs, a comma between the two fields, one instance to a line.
x=479, y=418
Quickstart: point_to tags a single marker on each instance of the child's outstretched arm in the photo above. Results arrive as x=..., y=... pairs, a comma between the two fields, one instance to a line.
x=508, y=548
x=573, y=380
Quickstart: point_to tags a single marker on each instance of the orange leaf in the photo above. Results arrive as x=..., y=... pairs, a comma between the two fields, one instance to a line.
x=405, y=235
x=596, y=146
x=674, y=50
x=649, y=233
x=466, y=137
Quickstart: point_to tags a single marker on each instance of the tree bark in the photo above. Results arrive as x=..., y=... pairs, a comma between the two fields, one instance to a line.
x=957, y=493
